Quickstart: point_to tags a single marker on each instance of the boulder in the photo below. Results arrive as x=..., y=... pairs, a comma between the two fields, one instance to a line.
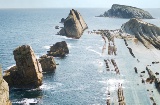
x=28, y=72
x=60, y=49
x=47, y=63
x=145, y=32
x=74, y=25
x=123, y=11
x=4, y=91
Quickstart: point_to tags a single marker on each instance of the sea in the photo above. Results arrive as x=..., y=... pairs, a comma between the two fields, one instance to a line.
x=81, y=77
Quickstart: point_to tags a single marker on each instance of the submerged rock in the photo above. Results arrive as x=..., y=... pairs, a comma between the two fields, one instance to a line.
x=28, y=72
x=145, y=32
x=123, y=11
x=74, y=25
x=47, y=63
x=4, y=91
x=60, y=49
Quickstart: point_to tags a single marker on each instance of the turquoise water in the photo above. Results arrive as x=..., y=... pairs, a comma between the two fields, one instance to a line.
x=81, y=77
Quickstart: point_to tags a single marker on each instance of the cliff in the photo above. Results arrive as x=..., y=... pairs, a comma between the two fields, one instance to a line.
x=145, y=32
x=74, y=25
x=123, y=11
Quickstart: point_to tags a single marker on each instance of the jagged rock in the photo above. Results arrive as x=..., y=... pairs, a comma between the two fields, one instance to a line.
x=28, y=72
x=123, y=11
x=62, y=20
x=74, y=25
x=4, y=91
x=145, y=32
x=60, y=49
x=47, y=63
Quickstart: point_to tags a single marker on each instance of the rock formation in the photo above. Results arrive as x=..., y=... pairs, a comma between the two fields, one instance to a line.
x=4, y=91
x=28, y=72
x=123, y=11
x=145, y=32
x=60, y=49
x=74, y=25
x=47, y=63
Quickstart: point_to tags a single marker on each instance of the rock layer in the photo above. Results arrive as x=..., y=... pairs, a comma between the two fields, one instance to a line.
x=145, y=32
x=60, y=49
x=28, y=72
x=74, y=25
x=123, y=11
x=47, y=63
x=4, y=91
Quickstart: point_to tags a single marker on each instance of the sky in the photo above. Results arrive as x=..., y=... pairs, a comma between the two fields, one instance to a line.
x=77, y=3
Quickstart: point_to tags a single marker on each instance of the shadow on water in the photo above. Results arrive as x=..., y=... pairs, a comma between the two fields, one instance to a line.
x=25, y=96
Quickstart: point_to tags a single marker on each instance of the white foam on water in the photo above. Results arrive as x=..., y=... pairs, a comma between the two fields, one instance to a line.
x=11, y=66
x=27, y=101
x=50, y=87
x=46, y=47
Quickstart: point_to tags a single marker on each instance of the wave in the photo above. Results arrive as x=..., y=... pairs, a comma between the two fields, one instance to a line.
x=88, y=48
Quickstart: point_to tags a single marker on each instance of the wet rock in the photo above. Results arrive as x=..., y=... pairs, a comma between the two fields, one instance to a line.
x=47, y=63
x=155, y=62
x=135, y=68
x=123, y=11
x=130, y=50
x=148, y=34
x=60, y=49
x=74, y=25
x=28, y=72
x=4, y=91
x=62, y=20
x=143, y=72
x=157, y=73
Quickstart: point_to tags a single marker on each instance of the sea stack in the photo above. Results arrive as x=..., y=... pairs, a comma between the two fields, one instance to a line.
x=28, y=72
x=4, y=91
x=60, y=49
x=47, y=63
x=123, y=11
x=145, y=32
x=74, y=25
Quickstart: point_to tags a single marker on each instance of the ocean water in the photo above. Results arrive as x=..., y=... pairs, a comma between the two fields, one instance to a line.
x=81, y=77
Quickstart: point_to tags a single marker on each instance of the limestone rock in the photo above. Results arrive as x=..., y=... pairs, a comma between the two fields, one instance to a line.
x=47, y=63
x=28, y=72
x=60, y=49
x=74, y=25
x=62, y=20
x=123, y=11
x=4, y=91
x=145, y=32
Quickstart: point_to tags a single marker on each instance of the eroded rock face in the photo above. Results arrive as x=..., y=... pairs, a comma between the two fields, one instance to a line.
x=47, y=63
x=28, y=72
x=60, y=49
x=74, y=25
x=123, y=11
x=4, y=91
x=145, y=32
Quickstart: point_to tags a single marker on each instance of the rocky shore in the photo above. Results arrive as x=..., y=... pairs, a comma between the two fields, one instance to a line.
x=124, y=11
x=4, y=91
x=145, y=32
x=74, y=25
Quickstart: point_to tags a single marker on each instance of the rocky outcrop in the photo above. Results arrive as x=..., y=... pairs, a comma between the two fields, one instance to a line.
x=123, y=11
x=60, y=49
x=47, y=63
x=28, y=72
x=145, y=32
x=74, y=25
x=4, y=91
x=62, y=20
